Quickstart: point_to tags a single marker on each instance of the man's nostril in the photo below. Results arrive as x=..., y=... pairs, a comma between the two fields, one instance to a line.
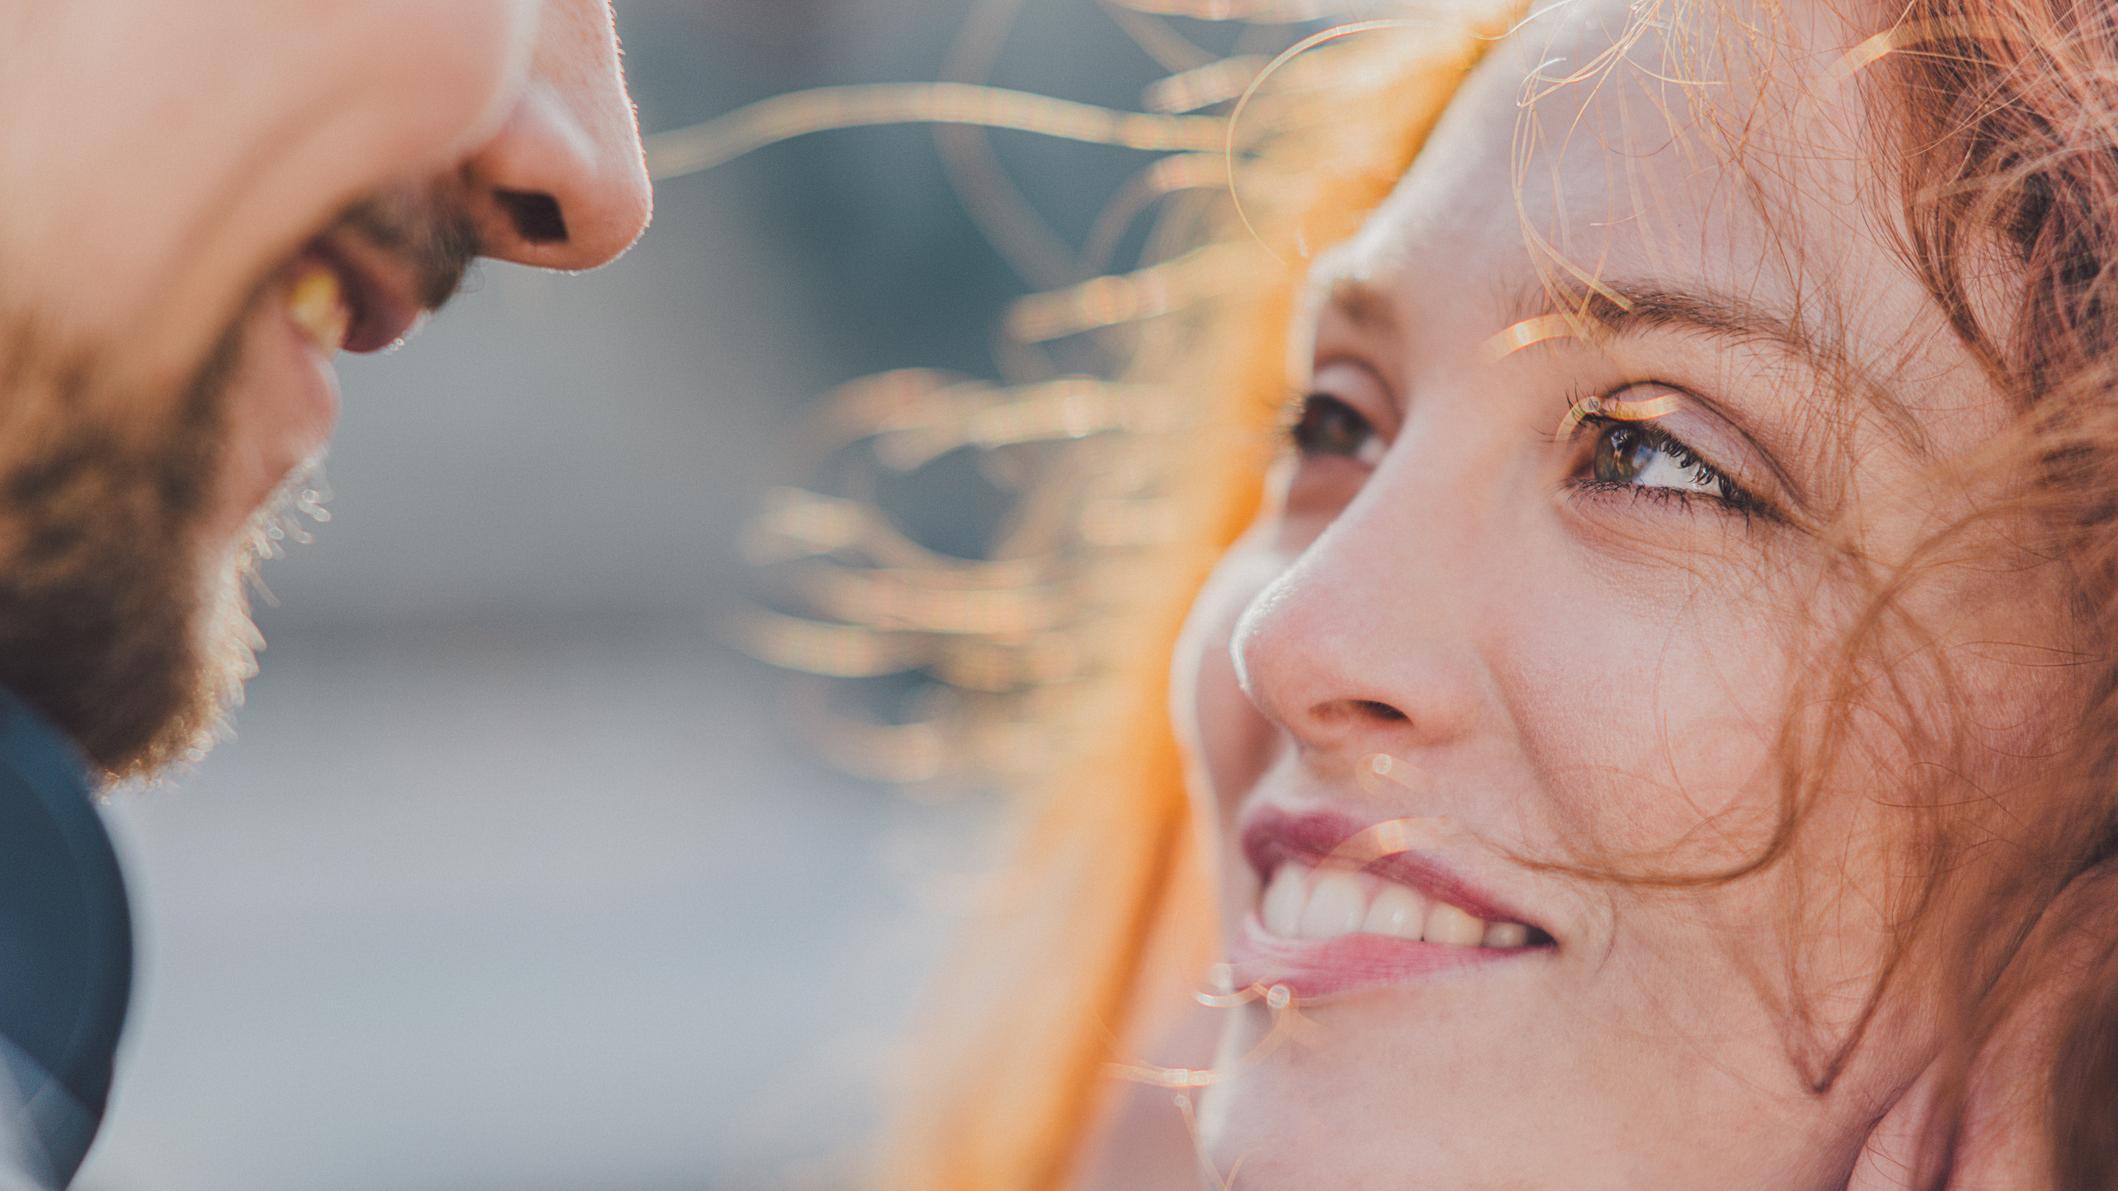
x=536, y=215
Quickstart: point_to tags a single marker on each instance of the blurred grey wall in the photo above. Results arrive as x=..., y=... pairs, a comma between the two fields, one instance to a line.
x=514, y=877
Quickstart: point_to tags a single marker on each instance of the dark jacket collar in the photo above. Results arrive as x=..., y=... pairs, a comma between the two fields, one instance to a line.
x=65, y=946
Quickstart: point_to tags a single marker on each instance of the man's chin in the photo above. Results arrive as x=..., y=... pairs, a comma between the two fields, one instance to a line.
x=224, y=639
x=123, y=609
x=139, y=675
x=203, y=692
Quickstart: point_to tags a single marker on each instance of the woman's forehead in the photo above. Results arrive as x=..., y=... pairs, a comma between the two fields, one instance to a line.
x=1603, y=142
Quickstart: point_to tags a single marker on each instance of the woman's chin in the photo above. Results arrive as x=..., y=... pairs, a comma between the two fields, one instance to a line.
x=1288, y=1126
x=1273, y=1130
x=1335, y=1095
x=1465, y=1083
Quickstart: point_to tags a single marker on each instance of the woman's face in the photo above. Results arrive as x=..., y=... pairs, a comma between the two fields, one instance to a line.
x=1472, y=626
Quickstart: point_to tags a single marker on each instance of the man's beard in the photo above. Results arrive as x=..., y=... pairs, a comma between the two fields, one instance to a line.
x=108, y=624
x=118, y=620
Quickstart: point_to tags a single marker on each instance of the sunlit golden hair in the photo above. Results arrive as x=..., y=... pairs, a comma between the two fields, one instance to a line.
x=1996, y=148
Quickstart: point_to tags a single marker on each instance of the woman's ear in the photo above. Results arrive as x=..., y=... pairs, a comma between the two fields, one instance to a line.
x=2036, y=1097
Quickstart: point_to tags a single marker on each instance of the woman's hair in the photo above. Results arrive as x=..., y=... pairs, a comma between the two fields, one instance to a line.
x=1993, y=142
x=2002, y=119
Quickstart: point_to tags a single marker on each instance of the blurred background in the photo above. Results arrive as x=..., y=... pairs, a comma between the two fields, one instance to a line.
x=516, y=875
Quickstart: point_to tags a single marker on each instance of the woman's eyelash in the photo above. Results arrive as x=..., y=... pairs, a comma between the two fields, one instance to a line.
x=1616, y=464
x=1627, y=447
x=1626, y=451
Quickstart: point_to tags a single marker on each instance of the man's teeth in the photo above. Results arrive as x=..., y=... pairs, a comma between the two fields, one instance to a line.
x=1303, y=903
x=316, y=301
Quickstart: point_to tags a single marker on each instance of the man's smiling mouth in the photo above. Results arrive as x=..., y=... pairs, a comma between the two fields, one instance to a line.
x=317, y=303
x=348, y=295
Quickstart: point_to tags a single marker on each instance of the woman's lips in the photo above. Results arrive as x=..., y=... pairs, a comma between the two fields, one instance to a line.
x=1347, y=906
x=1313, y=969
x=1390, y=849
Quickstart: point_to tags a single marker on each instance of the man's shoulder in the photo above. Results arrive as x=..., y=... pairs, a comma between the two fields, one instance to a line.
x=44, y=1130
x=65, y=953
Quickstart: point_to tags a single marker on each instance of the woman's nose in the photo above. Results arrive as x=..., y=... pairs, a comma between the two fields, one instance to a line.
x=563, y=184
x=1357, y=648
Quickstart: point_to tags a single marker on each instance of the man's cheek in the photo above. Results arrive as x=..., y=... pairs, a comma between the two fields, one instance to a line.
x=263, y=119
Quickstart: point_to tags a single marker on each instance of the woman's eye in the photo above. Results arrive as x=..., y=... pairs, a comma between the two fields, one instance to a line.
x=1329, y=426
x=1636, y=455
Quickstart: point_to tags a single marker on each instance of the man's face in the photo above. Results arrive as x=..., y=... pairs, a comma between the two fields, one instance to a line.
x=206, y=200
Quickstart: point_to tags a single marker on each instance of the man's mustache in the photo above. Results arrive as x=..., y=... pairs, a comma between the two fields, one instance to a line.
x=426, y=227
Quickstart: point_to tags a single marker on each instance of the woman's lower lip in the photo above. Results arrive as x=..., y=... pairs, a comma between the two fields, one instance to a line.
x=1315, y=968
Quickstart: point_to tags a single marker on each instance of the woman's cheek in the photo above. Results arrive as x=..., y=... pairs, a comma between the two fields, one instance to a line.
x=1646, y=721
x=1226, y=742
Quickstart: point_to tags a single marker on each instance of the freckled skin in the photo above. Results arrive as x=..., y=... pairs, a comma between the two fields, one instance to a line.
x=1579, y=675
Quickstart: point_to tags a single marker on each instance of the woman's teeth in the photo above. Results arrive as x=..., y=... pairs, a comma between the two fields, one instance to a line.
x=316, y=301
x=1303, y=903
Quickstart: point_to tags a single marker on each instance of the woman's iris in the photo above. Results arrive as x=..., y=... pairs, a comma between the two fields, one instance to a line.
x=1624, y=454
x=1328, y=426
x=1631, y=454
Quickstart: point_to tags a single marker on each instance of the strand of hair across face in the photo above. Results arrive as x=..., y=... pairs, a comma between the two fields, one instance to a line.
x=700, y=147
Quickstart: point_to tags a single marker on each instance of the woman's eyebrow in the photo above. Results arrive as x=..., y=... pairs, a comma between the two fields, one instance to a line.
x=1618, y=308
x=1614, y=308
x=1366, y=306
x=1626, y=308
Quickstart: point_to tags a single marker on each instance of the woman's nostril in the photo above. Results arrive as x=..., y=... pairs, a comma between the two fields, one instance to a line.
x=1377, y=710
x=536, y=215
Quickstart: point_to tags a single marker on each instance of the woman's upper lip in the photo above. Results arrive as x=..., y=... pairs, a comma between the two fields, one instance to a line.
x=382, y=288
x=1273, y=834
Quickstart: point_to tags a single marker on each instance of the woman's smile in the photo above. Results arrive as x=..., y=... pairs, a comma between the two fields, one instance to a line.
x=1346, y=906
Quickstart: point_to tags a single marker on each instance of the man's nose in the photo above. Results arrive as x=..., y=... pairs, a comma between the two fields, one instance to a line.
x=563, y=184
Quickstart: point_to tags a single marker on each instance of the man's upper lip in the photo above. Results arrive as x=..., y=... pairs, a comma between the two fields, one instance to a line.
x=1271, y=835
x=382, y=290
